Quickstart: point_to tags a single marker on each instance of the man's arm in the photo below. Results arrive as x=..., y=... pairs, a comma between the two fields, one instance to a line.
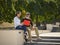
x=31, y=23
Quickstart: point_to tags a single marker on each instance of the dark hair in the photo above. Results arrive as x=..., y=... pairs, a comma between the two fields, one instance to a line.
x=17, y=13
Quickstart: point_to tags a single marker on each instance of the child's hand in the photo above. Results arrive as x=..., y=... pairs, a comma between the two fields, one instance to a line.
x=21, y=24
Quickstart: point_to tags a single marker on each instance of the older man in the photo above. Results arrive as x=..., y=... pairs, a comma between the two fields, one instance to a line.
x=28, y=23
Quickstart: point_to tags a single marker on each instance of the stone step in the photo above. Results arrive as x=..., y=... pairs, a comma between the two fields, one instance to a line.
x=51, y=39
x=46, y=39
x=36, y=44
x=50, y=34
x=43, y=43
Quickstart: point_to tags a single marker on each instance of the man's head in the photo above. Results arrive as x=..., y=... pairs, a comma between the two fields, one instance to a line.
x=27, y=14
x=18, y=13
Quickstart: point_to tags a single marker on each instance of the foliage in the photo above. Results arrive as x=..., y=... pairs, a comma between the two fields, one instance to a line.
x=41, y=10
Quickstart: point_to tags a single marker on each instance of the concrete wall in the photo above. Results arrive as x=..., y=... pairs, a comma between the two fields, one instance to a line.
x=11, y=37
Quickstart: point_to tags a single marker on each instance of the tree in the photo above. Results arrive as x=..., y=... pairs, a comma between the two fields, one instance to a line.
x=41, y=10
